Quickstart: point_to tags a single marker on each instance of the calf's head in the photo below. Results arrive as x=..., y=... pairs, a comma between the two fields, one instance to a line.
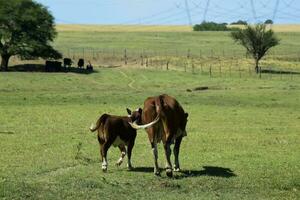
x=135, y=116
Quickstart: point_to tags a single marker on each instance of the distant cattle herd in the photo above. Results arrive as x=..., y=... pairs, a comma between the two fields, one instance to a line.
x=164, y=120
x=56, y=66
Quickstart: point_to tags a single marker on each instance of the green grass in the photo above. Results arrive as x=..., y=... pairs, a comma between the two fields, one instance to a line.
x=247, y=125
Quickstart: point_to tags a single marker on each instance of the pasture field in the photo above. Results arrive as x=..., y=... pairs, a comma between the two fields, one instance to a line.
x=174, y=46
x=171, y=45
x=243, y=136
x=163, y=39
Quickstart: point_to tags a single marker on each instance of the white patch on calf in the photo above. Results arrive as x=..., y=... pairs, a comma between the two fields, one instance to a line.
x=92, y=126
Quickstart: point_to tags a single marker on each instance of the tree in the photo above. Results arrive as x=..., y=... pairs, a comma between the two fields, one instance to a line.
x=257, y=40
x=27, y=30
x=269, y=21
x=212, y=26
x=239, y=22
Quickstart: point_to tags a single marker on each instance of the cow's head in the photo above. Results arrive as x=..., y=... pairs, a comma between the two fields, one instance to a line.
x=135, y=116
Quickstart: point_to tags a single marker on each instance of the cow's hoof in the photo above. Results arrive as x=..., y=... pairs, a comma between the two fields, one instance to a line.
x=169, y=172
x=176, y=169
x=157, y=173
x=118, y=164
x=104, y=169
x=129, y=167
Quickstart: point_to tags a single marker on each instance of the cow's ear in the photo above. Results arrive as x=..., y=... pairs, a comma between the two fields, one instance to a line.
x=140, y=110
x=128, y=111
x=186, y=115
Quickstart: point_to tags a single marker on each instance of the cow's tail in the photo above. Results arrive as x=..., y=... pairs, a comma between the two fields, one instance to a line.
x=100, y=121
x=158, y=105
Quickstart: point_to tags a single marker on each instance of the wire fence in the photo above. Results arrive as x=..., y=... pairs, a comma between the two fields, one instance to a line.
x=209, y=62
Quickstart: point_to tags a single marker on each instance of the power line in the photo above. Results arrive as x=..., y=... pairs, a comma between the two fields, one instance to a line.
x=188, y=12
x=275, y=10
x=253, y=10
x=206, y=9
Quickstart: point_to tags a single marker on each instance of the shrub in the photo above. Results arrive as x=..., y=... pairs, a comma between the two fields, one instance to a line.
x=212, y=26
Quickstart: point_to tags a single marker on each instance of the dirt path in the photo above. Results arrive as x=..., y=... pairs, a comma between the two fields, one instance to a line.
x=132, y=80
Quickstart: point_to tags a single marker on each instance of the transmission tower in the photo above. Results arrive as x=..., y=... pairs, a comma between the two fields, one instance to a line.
x=188, y=12
x=206, y=9
x=275, y=10
x=253, y=11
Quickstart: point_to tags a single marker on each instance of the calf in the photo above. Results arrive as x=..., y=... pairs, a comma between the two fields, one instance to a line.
x=116, y=131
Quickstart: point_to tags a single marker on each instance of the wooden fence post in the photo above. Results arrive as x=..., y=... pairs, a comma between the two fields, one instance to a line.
x=125, y=56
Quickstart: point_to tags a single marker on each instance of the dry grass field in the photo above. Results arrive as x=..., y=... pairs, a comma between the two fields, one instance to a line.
x=153, y=28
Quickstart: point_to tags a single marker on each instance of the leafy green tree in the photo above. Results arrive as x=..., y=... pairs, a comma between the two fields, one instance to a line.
x=240, y=22
x=257, y=40
x=269, y=21
x=27, y=30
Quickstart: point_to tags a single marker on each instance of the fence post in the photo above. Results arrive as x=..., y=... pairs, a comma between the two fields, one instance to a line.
x=210, y=73
x=220, y=67
x=188, y=59
x=193, y=67
x=280, y=75
x=142, y=60
x=167, y=64
x=240, y=71
x=201, y=66
x=125, y=56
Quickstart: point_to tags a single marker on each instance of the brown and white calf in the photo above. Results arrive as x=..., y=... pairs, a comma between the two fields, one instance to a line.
x=116, y=131
x=168, y=124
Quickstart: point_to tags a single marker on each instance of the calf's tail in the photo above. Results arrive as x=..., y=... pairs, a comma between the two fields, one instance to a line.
x=100, y=121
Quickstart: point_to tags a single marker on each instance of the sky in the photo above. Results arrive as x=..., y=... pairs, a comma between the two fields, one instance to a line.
x=172, y=12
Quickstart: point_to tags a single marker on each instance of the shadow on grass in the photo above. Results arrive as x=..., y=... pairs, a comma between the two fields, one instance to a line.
x=143, y=169
x=7, y=132
x=209, y=171
x=206, y=171
x=271, y=71
x=42, y=68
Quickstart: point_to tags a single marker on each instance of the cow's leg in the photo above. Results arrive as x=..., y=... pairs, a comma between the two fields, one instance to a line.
x=104, y=149
x=167, y=149
x=155, y=156
x=123, y=154
x=176, y=153
x=129, y=150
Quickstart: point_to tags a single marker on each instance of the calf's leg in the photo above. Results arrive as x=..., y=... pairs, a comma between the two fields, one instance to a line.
x=123, y=154
x=129, y=150
x=104, y=149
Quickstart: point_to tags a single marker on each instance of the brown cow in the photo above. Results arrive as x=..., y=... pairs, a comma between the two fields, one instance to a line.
x=116, y=131
x=170, y=127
